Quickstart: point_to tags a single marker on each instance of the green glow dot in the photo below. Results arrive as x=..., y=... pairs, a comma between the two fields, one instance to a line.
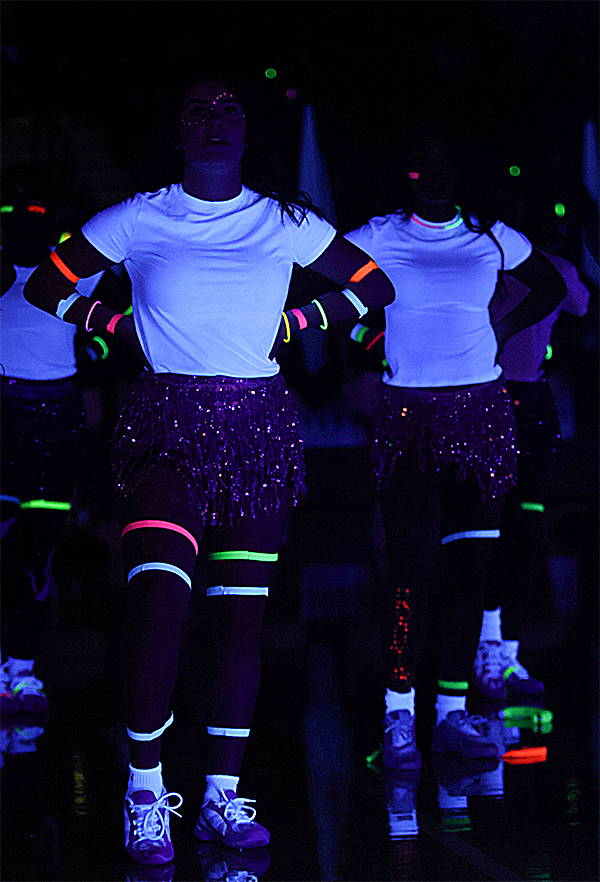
x=559, y=209
x=64, y=237
x=515, y=171
x=270, y=73
x=548, y=354
x=7, y=209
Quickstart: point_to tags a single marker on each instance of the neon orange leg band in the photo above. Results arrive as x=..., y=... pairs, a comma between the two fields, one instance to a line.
x=364, y=271
x=63, y=267
x=165, y=525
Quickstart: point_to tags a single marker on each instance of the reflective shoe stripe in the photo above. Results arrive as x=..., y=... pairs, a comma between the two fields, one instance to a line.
x=150, y=736
x=217, y=590
x=159, y=565
x=163, y=525
x=471, y=534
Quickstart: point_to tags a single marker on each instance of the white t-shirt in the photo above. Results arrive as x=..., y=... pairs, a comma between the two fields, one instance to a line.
x=35, y=345
x=209, y=279
x=438, y=329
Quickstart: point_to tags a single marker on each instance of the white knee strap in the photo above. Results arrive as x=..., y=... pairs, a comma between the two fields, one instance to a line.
x=471, y=534
x=220, y=590
x=229, y=733
x=159, y=565
x=150, y=736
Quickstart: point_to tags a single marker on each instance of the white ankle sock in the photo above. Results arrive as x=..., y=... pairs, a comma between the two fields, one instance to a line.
x=399, y=701
x=145, y=779
x=217, y=784
x=446, y=703
x=491, y=626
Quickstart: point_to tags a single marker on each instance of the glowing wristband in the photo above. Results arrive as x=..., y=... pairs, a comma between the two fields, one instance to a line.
x=358, y=332
x=363, y=271
x=103, y=346
x=64, y=305
x=356, y=302
x=113, y=322
x=301, y=318
x=287, y=329
x=46, y=503
x=92, y=308
x=533, y=506
x=63, y=268
x=375, y=339
x=325, y=324
x=243, y=555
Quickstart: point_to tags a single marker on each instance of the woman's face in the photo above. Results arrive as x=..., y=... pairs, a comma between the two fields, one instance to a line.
x=212, y=125
x=433, y=172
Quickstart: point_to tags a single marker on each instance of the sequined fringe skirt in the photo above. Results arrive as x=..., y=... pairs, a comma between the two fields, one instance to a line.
x=236, y=441
x=471, y=427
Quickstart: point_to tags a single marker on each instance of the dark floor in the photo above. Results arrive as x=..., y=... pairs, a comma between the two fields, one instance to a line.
x=312, y=763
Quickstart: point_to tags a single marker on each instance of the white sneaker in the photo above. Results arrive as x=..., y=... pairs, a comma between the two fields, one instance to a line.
x=147, y=826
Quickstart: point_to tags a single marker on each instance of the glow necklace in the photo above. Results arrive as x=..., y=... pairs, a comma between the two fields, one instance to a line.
x=448, y=225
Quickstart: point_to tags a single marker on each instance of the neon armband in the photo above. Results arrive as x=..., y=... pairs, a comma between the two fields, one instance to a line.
x=288, y=332
x=356, y=302
x=364, y=271
x=64, y=305
x=325, y=324
x=358, y=332
x=301, y=318
x=64, y=269
x=111, y=326
x=375, y=339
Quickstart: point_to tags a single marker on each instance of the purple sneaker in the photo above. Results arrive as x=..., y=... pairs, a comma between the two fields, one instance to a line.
x=469, y=736
x=231, y=822
x=516, y=677
x=399, y=745
x=147, y=827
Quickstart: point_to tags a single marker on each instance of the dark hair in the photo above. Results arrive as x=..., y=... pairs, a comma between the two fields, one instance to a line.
x=263, y=169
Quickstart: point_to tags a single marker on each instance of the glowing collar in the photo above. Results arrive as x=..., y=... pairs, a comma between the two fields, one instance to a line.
x=446, y=225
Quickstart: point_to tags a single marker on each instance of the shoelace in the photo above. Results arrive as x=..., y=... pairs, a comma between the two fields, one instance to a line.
x=493, y=662
x=149, y=818
x=473, y=725
x=240, y=876
x=516, y=667
x=237, y=810
x=27, y=683
x=401, y=730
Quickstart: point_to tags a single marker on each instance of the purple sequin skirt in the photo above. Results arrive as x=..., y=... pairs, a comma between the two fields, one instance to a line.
x=470, y=427
x=235, y=440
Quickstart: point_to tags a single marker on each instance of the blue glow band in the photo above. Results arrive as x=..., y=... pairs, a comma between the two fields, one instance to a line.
x=229, y=733
x=159, y=565
x=150, y=736
x=226, y=590
x=471, y=534
x=64, y=305
x=356, y=302
x=14, y=499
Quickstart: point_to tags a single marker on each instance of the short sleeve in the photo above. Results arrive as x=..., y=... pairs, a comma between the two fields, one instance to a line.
x=310, y=238
x=515, y=246
x=111, y=231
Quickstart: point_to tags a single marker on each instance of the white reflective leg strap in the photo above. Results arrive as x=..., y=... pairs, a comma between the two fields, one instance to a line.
x=229, y=733
x=471, y=534
x=158, y=565
x=150, y=736
x=221, y=590
x=356, y=302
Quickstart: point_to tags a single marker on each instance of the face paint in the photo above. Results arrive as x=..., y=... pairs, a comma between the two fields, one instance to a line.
x=224, y=105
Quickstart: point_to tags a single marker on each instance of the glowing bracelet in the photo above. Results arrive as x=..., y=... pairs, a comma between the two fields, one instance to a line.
x=358, y=332
x=375, y=339
x=63, y=267
x=92, y=308
x=113, y=322
x=287, y=329
x=364, y=271
x=358, y=305
x=325, y=324
x=64, y=305
x=301, y=318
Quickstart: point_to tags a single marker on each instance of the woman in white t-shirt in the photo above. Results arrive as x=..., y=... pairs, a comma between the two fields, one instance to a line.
x=443, y=429
x=207, y=447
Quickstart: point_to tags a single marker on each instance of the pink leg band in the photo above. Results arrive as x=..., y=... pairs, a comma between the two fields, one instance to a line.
x=165, y=525
x=113, y=322
x=301, y=318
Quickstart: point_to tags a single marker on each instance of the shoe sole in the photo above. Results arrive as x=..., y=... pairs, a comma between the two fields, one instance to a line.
x=210, y=835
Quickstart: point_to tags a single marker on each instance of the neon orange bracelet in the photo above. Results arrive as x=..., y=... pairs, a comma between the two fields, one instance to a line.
x=63, y=267
x=364, y=271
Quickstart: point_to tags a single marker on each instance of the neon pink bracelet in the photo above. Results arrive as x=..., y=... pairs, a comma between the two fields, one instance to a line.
x=113, y=322
x=92, y=308
x=301, y=318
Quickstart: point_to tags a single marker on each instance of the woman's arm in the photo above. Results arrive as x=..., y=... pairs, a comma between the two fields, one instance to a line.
x=366, y=287
x=52, y=287
x=547, y=290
